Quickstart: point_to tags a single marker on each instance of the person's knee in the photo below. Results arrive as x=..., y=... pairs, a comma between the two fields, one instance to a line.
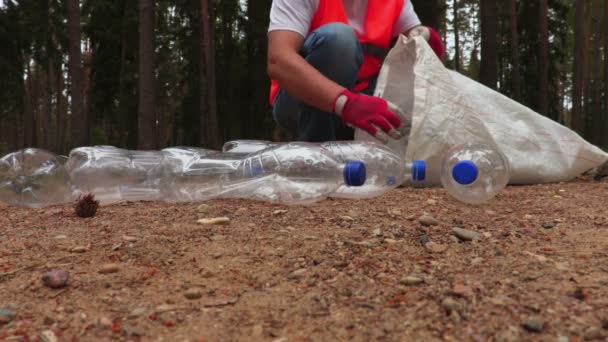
x=339, y=39
x=335, y=50
x=339, y=36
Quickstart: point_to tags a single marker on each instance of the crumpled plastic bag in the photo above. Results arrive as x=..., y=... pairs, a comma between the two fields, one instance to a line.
x=446, y=108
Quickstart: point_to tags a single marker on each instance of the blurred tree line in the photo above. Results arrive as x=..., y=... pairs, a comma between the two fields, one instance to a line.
x=149, y=74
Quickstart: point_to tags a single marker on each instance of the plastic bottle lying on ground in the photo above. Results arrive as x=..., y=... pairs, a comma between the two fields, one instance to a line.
x=291, y=174
x=34, y=178
x=474, y=173
x=113, y=174
x=385, y=170
x=191, y=174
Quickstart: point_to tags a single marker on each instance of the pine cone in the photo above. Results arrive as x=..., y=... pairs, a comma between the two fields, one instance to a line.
x=86, y=206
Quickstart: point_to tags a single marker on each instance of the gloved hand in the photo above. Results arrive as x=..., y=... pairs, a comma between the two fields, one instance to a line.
x=367, y=113
x=432, y=37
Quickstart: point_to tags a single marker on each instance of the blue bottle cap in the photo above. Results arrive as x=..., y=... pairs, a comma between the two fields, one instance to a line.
x=418, y=170
x=465, y=172
x=354, y=173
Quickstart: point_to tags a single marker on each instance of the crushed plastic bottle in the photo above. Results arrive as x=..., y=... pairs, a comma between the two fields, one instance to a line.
x=384, y=169
x=474, y=173
x=246, y=146
x=113, y=174
x=299, y=173
x=291, y=174
x=34, y=178
x=191, y=174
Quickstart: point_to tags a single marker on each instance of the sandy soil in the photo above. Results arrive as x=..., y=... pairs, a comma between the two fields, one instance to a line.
x=371, y=270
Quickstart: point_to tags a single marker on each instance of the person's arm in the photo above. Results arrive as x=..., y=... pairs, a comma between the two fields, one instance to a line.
x=307, y=84
x=297, y=76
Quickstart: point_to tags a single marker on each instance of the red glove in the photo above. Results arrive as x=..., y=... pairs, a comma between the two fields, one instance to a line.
x=367, y=113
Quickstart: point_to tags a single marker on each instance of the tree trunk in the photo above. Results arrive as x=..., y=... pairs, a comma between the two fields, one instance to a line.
x=578, y=77
x=605, y=97
x=543, y=59
x=515, y=71
x=489, y=49
x=146, y=119
x=208, y=120
x=456, y=36
x=61, y=113
x=430, y=12
x=79, y=118
x=28, y=120
x=594, y=89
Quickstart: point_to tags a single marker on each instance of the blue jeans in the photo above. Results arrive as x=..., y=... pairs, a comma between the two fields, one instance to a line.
x=335, y=51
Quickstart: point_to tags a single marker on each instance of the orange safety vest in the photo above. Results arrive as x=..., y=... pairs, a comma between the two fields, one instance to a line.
x=381, y=17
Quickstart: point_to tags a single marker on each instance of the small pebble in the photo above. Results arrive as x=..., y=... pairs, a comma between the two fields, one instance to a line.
x=435, y=247
x=424, y=240
x=129, y=238
x=55, y=279
x=214, y=221
x=7, y=314
x=411, y=281
x=79, y=249
x=104, y=323
x=297, y=273
x=61, y=237
x=595, y=333
x=548, y=225
x=465, y=235
x=109, y=268
x=431, y=202
x=48, y=336
x=427, y=221
x=49, y=319
x=136, y=313
x=204, y=208
x=533, y=324
x=279, y=212
x=377, y=232
x=450, y=305
x=193, y=293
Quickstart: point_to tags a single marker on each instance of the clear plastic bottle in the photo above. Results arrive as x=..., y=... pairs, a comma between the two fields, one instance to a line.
x=34, y=178
x=113, y=174
x=291, y=174
x=297, y=173
x=246, y=146
x=474, y=173
x=384, y=169
x=191, y=174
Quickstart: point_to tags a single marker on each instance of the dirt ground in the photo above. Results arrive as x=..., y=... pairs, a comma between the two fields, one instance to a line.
x=337, y=270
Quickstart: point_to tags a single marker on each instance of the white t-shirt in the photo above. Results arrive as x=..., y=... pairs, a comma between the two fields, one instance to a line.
x=296, y=15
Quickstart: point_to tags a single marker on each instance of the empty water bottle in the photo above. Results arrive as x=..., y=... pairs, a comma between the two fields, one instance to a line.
x=246, y=146
x=298, y=173
x=191, y=174
x=384, y=169
x=34, y=178
x=474, y=173
x=113, y=174
x=291, y=174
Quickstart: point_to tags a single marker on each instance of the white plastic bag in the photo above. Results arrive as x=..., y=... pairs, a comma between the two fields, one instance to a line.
x=448, y=108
